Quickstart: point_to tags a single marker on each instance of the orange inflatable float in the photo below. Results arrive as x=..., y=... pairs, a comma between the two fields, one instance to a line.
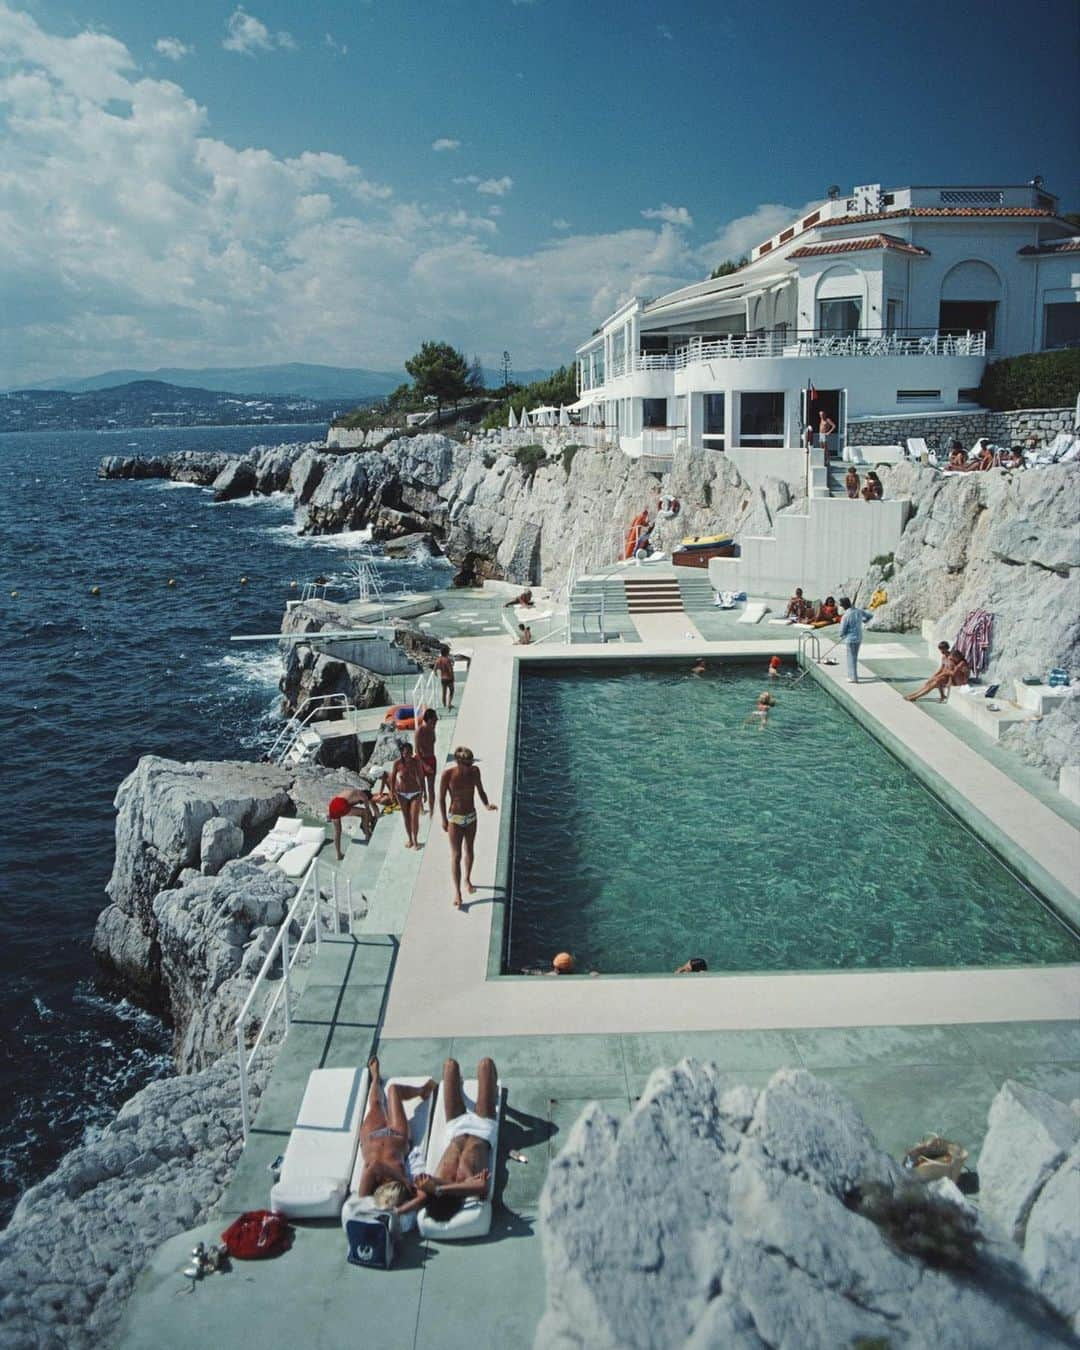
x=402, y=716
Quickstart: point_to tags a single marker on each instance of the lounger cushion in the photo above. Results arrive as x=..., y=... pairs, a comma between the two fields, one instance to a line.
x=753, y=613
x=473, y=1219
x=296, y=860
x=322, y=1147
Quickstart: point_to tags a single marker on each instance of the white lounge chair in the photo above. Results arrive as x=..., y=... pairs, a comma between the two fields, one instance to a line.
x=283, y=836
x=753, y=613
x=418, y=1113
x=917, y=448
x=1063, y=444
x=473, y=1219
x=309, y=840
x=319, y=1156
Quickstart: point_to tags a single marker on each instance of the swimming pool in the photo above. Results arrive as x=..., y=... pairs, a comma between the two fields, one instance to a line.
x=652, y=824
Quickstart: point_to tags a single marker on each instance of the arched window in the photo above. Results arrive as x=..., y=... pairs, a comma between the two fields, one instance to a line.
x=970, y=295
x=840, y=295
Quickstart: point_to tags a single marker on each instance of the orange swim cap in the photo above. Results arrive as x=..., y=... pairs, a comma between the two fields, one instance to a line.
x=775, y=661
x=564, y=963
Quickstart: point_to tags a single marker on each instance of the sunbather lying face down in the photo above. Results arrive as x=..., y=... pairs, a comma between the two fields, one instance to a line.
x=385, y=1147
x=464, y=1169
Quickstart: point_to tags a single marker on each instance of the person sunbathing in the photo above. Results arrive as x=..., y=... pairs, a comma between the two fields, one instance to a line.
x=390, y=1161
x=960, y=670
x=798, y=609
x=957, y=459
x=940, y=680
x=985, y=460
x=828, y=612
x=525, y=599
x=852, y=484
x=464, y=1170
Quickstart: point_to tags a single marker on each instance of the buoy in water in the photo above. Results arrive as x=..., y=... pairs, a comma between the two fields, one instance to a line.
x=171, y=581
x=293, y=585
x=243, y=581
x=14, y=595
x=95, y=590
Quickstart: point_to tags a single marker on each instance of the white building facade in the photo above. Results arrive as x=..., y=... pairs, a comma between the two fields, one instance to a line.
x=881, y=303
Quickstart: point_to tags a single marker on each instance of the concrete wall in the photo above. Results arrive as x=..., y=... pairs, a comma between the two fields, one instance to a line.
x=1004, y=428
x=822, y=551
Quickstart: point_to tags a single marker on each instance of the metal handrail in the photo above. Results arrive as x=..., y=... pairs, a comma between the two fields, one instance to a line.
x=290, y=732
x=310, y=892
x=809, y=640
x=424, y=693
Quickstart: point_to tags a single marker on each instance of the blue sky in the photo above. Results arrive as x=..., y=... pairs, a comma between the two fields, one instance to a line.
x=206, y=184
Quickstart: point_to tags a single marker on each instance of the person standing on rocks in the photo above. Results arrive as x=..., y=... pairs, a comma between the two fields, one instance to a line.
x=445, y=666
x=424, y=745
x=407, y=785
x=458, y=789
x=351, y=802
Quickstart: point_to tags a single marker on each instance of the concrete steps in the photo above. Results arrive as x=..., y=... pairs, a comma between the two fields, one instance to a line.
x=654, y=595
x=696, y=591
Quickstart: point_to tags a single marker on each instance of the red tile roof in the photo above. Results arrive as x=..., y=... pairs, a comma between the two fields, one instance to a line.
x=855, y=245
x=1023, y=211
x=1051, y=246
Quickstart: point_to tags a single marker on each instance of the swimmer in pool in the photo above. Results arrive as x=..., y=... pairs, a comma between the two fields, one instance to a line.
x=458, y=789
x=699, y=667
x=760, y=714
x=774, y=667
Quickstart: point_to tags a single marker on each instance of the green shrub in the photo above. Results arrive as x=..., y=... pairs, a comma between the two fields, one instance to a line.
x=1040, y=380
x=568, y=457
x=530, y=457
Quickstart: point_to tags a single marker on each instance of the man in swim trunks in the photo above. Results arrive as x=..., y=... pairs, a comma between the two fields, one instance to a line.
x=445, y=667
x=351, y=802
x=390, y=1163
x=525, y=599
x=424, y=745
x=464, y=1170
x=460, y=783
x=407, y=785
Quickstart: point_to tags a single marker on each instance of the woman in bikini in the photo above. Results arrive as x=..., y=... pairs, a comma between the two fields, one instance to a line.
x=390, y=1165
x=407, y=785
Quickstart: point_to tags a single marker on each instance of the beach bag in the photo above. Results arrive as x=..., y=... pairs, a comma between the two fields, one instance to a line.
x=256, y=1235
x=934, y=1158
x=371, y=1240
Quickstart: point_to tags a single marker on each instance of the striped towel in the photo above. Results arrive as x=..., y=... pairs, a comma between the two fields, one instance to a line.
x=973, y=640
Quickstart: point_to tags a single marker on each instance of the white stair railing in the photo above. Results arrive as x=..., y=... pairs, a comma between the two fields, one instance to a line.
x=305, y=713
x=305, y=911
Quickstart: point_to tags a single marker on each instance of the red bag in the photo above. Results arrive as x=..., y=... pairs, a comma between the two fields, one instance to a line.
x=257, y=1234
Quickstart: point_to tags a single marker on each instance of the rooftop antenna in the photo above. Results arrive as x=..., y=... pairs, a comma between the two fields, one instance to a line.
x=1037, y=181
x=834, y=191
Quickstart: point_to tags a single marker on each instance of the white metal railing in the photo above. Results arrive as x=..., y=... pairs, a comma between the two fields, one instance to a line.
x=739, y=346
x=306, y=713
x=425, y=693
x=809, y=642
x=309, y=896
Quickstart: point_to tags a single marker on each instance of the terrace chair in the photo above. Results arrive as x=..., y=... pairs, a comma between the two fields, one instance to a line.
x=1054, y=453
x=473, y=1219
x=314, y=1176
x=916, y=448
x=284, y=835
x=419, y=1114
x=296, y=860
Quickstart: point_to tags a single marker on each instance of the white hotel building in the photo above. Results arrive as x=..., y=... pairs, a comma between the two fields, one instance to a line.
x=890, y=302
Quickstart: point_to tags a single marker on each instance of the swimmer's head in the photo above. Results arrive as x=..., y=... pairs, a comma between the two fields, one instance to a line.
x=563, y=963
x=774, y=662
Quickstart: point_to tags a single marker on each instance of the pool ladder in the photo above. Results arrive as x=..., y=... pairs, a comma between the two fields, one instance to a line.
x=809, y=648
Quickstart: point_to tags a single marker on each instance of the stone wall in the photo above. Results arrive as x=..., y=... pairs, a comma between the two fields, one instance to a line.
x=1004, y=428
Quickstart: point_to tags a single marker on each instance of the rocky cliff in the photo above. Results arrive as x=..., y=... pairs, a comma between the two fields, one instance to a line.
x=719, y=1216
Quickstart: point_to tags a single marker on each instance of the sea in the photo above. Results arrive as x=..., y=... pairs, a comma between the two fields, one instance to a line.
x=90, y=684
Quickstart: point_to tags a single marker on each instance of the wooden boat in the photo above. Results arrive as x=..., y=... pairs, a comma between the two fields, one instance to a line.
x=700, y=557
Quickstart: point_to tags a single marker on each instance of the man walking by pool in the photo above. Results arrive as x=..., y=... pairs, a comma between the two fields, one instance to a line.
x=851, y=634
x=459, y=786
x=407, y=786
x=424, y=744
x=445, y=667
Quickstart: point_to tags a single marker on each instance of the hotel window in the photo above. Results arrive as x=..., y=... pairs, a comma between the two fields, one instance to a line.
x=761, y=419
x=598, y=366
x=654, y=412
x=894, y=315
x=618, y=352
x=712, y=421
x=840, y=316
x=1061, y=325
x=968, y=316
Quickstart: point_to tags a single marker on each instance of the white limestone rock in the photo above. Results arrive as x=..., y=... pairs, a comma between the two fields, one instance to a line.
x=77, y=1241
x=692, y=1224
x=237, y=479
x=305, y=475
x=1028, y=1136
x=1052, y=1240
x=220, y=841
x=273, y=464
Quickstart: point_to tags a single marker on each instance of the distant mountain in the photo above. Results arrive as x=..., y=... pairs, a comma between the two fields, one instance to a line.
x=294, y=380
x=156, y=403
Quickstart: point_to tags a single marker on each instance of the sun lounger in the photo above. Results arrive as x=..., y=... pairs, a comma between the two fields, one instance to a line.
x=753, y=613
x=282, y=837
x=296, y=861
x=319, y=1156
x=418, y=1113
x=473, y=1219
x=917, y=448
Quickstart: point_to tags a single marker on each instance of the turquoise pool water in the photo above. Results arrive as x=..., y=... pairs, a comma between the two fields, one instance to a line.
x=651, y=825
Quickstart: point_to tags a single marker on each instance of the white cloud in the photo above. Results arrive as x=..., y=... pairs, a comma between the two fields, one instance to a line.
x=490, y=187
x=445, y=143
x=173, y=48
x=202, y=253
x=744, y=233
x=335, y=46
x=560, y=224
x=248, y=35
x=671, y=215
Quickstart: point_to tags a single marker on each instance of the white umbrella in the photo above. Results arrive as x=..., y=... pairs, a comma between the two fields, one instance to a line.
x=564, y=417
x=512, y=423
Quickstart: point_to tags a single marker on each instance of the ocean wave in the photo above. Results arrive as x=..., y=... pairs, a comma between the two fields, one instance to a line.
x=121, y=1009
x=260, y=667
x=167, y=485
x=278, y=499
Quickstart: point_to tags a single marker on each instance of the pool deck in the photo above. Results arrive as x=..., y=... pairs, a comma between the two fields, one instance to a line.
x=916, y=1051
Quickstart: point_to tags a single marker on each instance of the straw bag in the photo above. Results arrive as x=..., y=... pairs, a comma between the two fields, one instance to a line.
x=934, y=1158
